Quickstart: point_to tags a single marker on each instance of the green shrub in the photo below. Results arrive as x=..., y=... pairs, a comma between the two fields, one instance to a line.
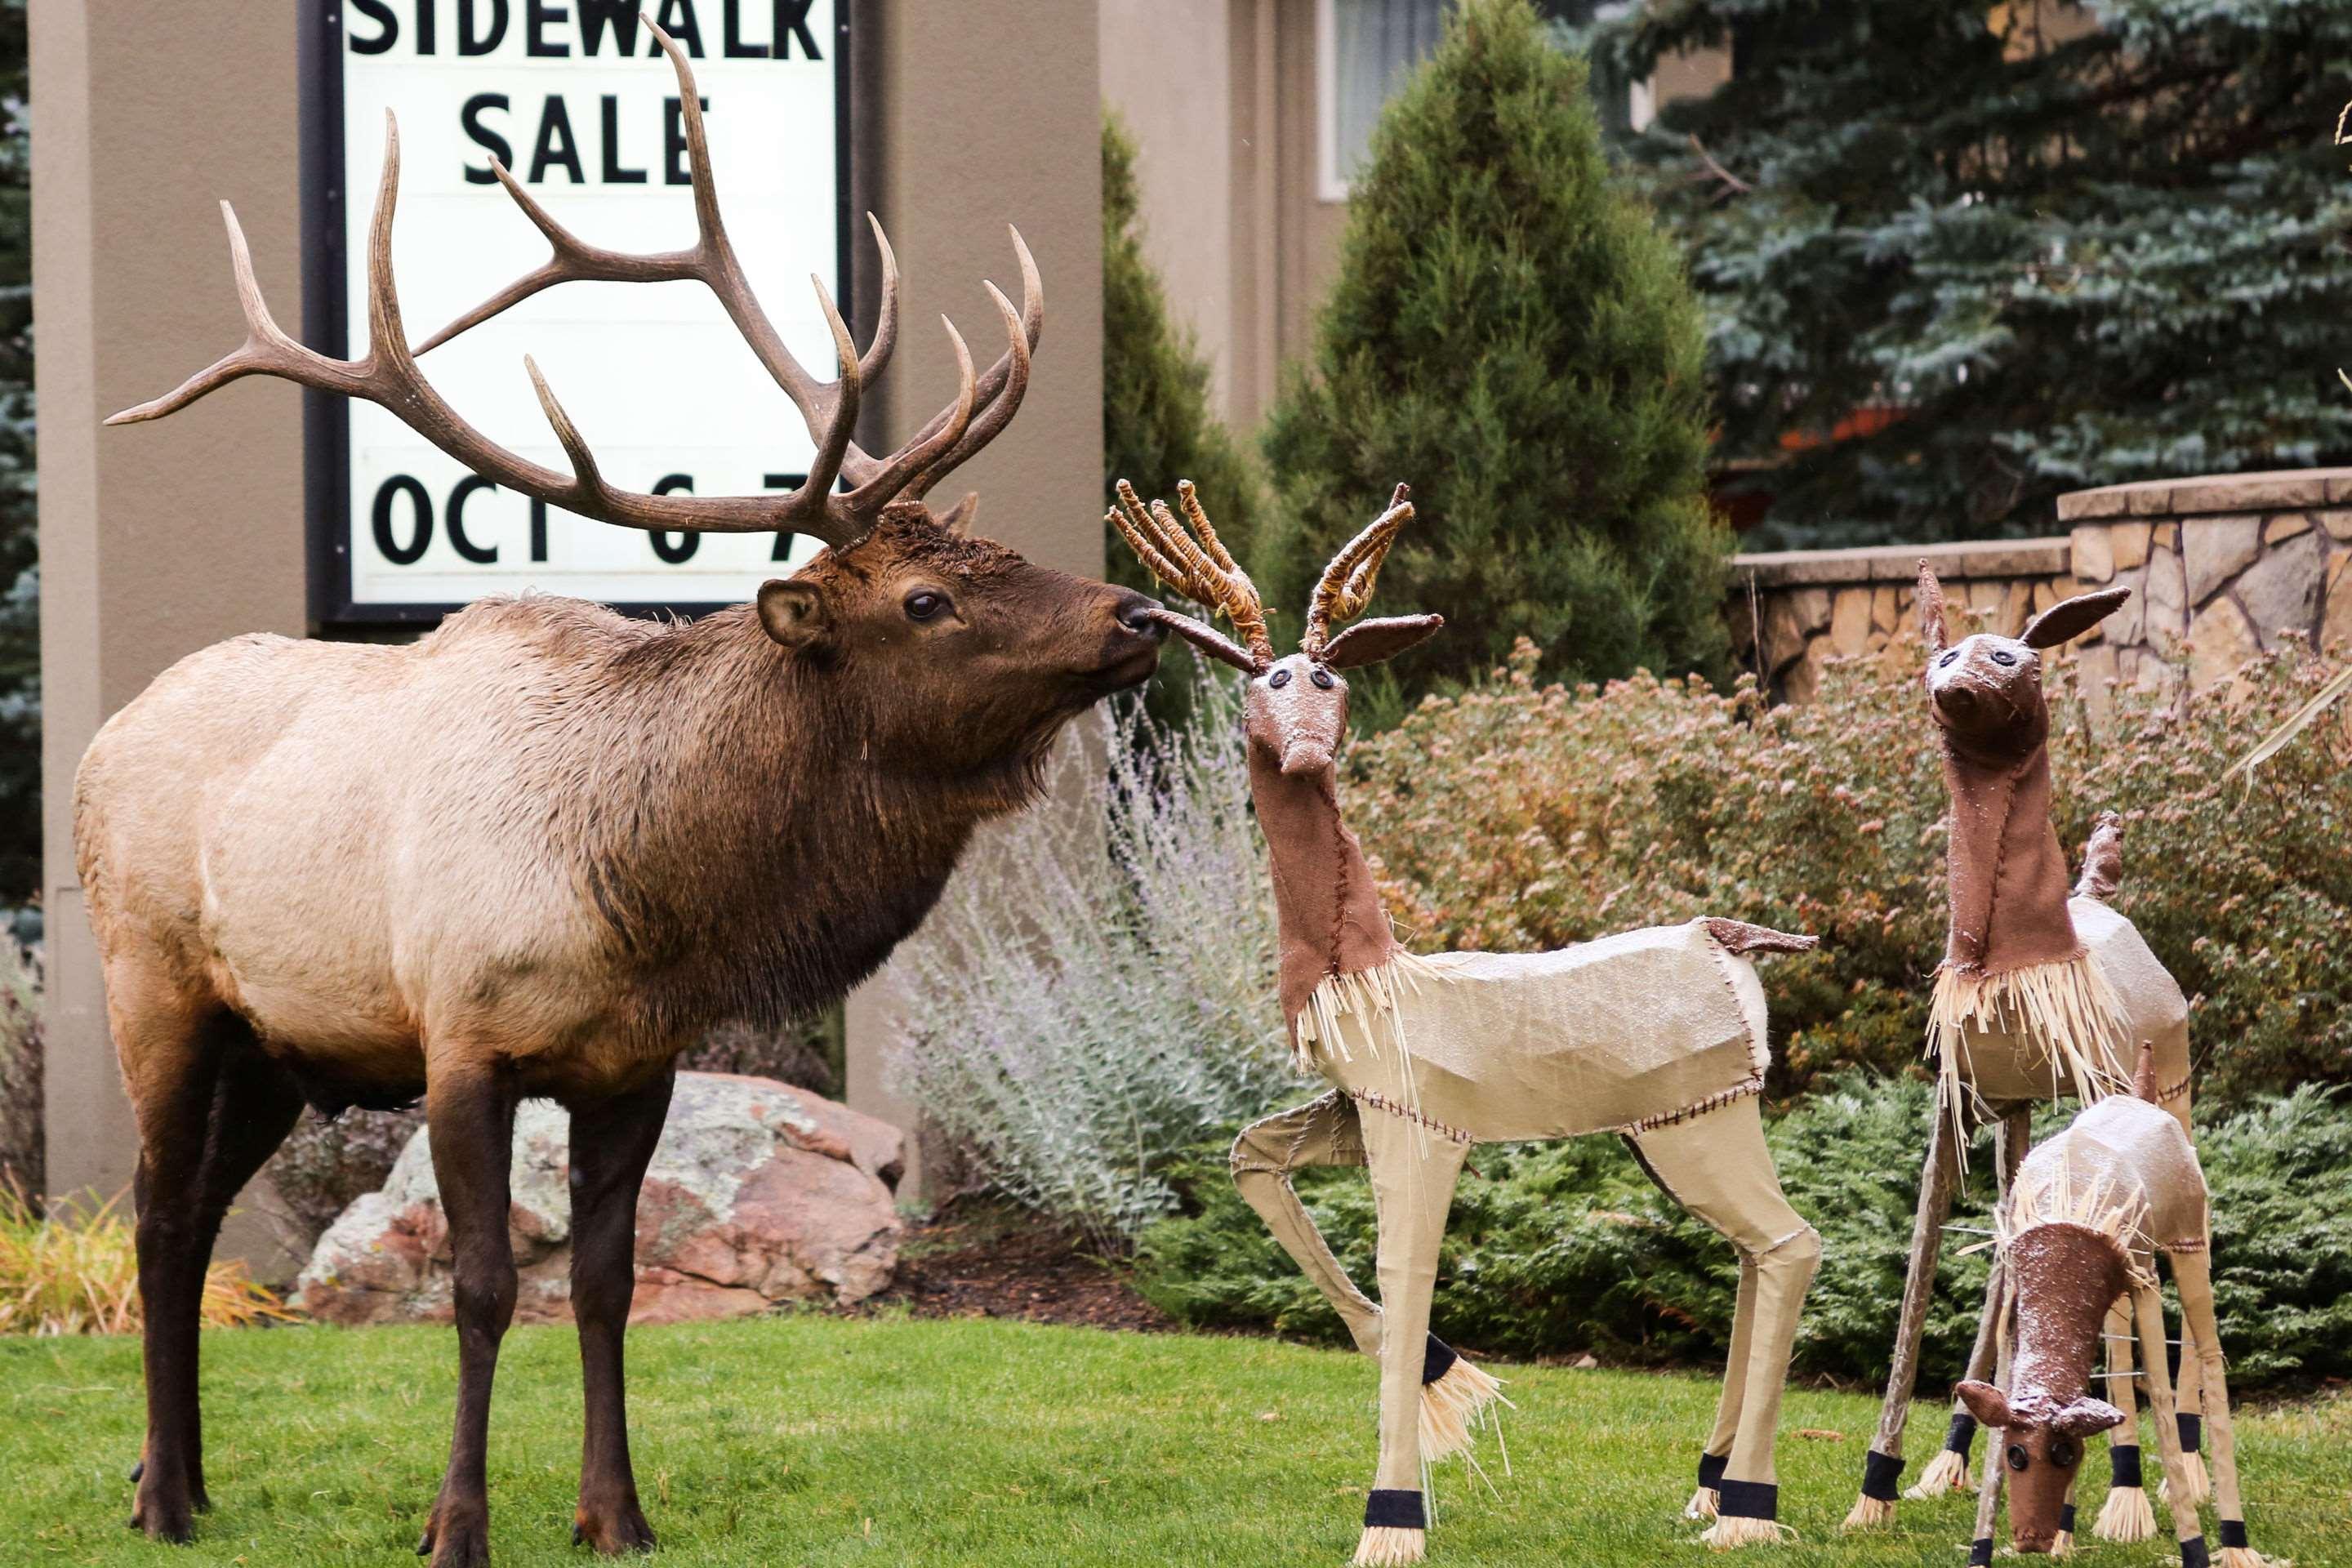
x=1560, y=1247
x=1511, y=334
x=1522, y=817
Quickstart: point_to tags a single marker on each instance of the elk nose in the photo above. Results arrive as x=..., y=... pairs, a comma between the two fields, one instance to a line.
x=1134, y=613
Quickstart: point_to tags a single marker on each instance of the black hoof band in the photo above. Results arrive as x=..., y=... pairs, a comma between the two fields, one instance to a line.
x=1962, y=1435
x=1394, y=1510
x=2192, y=1432
x=2193, y=1554
x=1880, y=1472
x=1748, y=1500
x=1710, y=1470
x=2067, y=1519
x=2123, y=1465
x=1981, y=1552
x=2233, y=1533
x=1437, y=1359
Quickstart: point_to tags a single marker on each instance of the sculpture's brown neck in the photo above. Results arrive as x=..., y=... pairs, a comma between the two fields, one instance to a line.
x=1330, y=916
x=2007, y=872
x=2066, y=1277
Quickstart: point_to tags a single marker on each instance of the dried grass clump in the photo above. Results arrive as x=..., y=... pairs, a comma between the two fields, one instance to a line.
x=76, y=1271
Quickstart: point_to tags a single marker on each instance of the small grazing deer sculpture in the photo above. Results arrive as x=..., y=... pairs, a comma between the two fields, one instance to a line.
x=545, y=848
x=2038, y=998
x=2087, y=1213
x=1657, y=1034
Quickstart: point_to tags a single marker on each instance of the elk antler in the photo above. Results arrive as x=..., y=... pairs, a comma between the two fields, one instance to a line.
x=389, y=375
x=1195, y=564
x=1347, y=585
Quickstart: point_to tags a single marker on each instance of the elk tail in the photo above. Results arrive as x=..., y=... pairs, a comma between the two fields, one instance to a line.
x=2103, y=859
x=1739, y=938
x=2144, y=1082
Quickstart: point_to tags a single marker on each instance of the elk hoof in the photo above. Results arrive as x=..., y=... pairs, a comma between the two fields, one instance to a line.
x=612, y=1530
x=164, y=1518
x=457, y=1537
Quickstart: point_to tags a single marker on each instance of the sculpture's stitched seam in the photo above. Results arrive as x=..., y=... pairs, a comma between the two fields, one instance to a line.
x=1380, y=1102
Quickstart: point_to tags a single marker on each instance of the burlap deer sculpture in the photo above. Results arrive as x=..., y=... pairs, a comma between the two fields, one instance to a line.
x=2038, y=997
x=2087, y=1213
x=1657, y=1034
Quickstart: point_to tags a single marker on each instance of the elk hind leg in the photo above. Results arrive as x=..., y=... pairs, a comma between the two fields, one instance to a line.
x=1414, y=1175
x=1718, y=1167
x=612, y=1143
x=2192, y=1272
x=2148, y=1304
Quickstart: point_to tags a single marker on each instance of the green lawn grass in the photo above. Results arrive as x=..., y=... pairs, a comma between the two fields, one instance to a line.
x=810, y=1439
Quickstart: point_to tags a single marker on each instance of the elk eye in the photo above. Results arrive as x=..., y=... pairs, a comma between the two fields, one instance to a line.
x=1950, y=657
x=2002, y=656
x=2016, y=1457
x=923, y=606
x=1322, y=678
x=1278, y=679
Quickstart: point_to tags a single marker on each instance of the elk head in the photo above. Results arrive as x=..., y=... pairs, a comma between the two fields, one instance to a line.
x=945, y=623
x=1296, y=707
x=1985, y=690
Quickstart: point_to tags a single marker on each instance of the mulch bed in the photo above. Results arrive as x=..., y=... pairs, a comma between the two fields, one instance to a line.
x=974, y=1261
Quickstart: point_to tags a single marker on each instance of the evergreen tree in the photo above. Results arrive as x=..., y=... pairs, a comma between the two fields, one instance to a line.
x=1510, y=334
x=2046, y=247
x=20, y=650
x=1158, y=426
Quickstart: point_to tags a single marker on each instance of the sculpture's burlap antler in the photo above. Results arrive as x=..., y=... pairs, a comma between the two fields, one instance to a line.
x=1347, y=585
x=1197, y=565
x=388, y=375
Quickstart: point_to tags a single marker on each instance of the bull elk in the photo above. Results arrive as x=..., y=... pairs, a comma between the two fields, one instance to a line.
x=1655, y=1034
x=2038, y=997
x=539, y=851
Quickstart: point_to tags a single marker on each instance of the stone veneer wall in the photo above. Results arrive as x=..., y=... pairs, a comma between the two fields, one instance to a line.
x=2229, y=565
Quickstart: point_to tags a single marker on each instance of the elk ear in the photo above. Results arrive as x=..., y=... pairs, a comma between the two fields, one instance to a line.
x=1208, y=640
x=792, y=612
x=958, y=517
x=1988, y=1405
x=1370, y=642
x=2087, y=1416
x=2070, y=618
x=1931, y=608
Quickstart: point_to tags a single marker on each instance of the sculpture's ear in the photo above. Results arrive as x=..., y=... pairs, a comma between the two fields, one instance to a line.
x=1931, y=608
x=792, y=612
x=1370, y=642
x=1208, y=640
x=1988, y=1405
x=2070, y=618
x=2087, y=1416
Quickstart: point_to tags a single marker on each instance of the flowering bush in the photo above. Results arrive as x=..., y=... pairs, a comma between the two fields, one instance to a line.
x=1520, y=818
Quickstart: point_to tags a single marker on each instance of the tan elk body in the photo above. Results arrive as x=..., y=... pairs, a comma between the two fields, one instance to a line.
x=1657, y=1034
x=2042, y=995
x=542, y=850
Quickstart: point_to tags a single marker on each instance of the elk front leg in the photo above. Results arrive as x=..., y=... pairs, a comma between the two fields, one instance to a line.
x=2147, y=1303
x=1882, y=1465
x=470, y=1115
x=2192, y=1272
x=1414, y=1175
x=1718, y=1167
x=611, y=1145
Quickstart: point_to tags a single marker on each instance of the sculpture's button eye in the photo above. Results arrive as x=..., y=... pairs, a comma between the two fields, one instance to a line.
x=1278, y=679
x=2063, y=1454
x=2002, y=656
x=1950, y=657
x=1322, y=678
x=2016, y=1457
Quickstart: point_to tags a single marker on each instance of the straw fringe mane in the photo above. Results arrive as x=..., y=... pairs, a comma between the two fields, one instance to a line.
x=2052, y=1194
x=2067, y=1009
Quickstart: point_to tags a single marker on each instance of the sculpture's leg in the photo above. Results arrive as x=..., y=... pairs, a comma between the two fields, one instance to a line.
x=611, y=1145
x=2126, y=1515
x=1717, y=1166
x=469, y=1114
x=1882, y=1465
x=2147, y=1303
x=2189, y=1391
x=2192, y=1272
x=1414, y=1175
x=1948, y=1472
x=1988, y=1488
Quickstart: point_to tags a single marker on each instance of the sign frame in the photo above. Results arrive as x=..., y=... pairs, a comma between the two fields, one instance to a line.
x=326, y=416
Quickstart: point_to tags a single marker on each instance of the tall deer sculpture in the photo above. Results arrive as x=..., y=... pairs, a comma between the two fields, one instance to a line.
x=2040, y=997
x=2087, y=1214
x=539, y=851
x=1657, y=1034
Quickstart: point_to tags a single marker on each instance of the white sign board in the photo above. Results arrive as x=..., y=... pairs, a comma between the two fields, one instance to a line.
x=578, y=101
